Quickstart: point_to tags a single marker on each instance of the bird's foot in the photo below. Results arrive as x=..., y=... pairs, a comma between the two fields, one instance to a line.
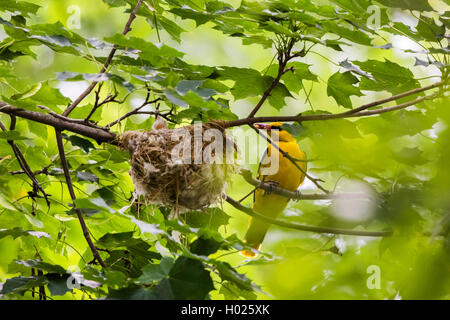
x=271, y=185
x=298, y=195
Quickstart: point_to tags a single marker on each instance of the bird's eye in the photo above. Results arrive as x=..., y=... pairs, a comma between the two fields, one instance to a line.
x=275, y=127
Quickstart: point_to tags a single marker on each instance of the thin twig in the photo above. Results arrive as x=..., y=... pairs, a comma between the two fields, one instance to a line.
x=24, y=164
x=137, y=111
x=98, y=104
x=35, y=173
x=297, y=226
x=348, y=114
x=283, y=59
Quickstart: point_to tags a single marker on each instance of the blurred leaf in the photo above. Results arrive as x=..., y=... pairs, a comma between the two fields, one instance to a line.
x=420, y=5
x=11, y=135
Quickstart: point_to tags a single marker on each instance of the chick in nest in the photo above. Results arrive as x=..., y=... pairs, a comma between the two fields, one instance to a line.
x=186, y=168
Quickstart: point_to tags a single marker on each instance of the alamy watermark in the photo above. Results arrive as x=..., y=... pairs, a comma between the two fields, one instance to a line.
x=374, y=280
x=74, y=20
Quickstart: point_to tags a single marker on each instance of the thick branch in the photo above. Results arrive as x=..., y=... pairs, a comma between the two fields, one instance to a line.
x=297, y=226
x=100, y=135
x=84, y=227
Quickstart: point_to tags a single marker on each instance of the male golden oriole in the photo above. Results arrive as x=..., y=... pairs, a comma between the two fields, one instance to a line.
x=287, y=176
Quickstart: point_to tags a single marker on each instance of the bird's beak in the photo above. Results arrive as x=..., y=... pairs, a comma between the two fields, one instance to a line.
x=262, y=126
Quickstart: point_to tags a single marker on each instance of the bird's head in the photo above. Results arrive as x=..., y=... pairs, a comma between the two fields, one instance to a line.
x=276, y=128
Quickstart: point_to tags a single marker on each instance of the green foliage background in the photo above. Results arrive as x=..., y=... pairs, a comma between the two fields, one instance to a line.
x=213, y=60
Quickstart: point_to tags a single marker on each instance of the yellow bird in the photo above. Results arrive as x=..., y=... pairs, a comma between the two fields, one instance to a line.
x=286, y=176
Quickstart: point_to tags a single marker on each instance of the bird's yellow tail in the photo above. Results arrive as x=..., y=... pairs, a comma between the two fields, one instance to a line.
x=255, y=236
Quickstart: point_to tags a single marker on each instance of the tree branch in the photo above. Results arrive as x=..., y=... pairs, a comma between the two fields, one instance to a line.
x=100, y=135
x=23, y=163
x=103, y=135
x=297, y=226
x=84, y=227
x=136, y=111
x=91, y=87
x=247, y=175
x=357, y=112
x=98, y=104
x=284, y=56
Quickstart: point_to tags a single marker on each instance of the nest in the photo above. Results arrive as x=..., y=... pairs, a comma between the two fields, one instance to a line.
x=181, y=168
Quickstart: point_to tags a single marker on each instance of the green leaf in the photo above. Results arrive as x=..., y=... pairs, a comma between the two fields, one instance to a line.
x=356, y=36
x=91, y=206
x=419, y=5
x=211, y=218
x=57, y=284
x=41, y=94
x=205, y=247
x=116, y=3
x=187, y=280
x=429, y=30
x=189, y=13
x=341, y=87
x=293, y=79
x=25, y=8
x=163, y=23
x=410, y=156
x=29, y=93
x=86, y=176
x=156, y=272
x=77, y=141
x=227, y=272
x=21, y=284
x=132, y=293
x=231, y=291
x=41, y=265
x=19, y=232
x=386, y=75
x=113, y=240
x=156, y=55
x=248, y=82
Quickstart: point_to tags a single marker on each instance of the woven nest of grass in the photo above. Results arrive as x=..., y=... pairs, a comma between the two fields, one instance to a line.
x=178, y=181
